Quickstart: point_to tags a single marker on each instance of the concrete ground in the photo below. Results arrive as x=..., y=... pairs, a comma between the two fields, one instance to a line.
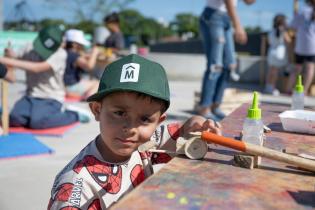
x=25, y=183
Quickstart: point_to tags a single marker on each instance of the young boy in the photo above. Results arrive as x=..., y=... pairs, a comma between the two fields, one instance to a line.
x=44, y=62
x=131, y=102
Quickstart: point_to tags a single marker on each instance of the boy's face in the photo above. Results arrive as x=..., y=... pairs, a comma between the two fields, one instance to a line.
x=127, y=120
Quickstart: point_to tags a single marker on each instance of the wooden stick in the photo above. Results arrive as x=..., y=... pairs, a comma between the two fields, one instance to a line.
x=146, y=146
x=162, y=151
x=5, y=108
x=257, y=150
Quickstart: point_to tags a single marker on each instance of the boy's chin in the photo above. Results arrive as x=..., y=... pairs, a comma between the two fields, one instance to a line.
x=125, y=153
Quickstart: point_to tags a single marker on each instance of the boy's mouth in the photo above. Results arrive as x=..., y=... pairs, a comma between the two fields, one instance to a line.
x=126, y=141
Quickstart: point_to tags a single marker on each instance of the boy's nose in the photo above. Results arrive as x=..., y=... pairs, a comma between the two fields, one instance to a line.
x=129, y=127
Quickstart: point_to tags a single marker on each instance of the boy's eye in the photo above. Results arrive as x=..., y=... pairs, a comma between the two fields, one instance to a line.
x=119, y=113
x=145, y=119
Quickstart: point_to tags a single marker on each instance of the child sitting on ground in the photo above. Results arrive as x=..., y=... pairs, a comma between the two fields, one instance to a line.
x=131, y=102
x=44, y=63
x=77, y=62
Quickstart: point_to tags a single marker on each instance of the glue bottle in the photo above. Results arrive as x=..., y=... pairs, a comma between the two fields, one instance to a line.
x=253, y=126
x=298, y=95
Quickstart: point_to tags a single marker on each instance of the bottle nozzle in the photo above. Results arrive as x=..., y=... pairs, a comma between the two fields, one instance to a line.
x=299, y=86
x=255, y=101
x=254, y=112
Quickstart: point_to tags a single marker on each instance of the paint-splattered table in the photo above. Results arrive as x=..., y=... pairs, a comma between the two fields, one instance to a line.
x=214, y=183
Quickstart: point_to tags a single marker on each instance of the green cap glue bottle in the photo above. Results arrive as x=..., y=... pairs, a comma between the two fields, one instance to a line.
x=298, y=95
x=253, y=127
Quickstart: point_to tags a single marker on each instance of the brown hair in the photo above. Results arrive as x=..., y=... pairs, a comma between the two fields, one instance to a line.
x=164, y=104
x=278, y=21
x=112, y=18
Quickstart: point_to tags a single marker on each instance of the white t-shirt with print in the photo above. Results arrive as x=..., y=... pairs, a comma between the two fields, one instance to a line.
x=48, y=84
x=89, y=182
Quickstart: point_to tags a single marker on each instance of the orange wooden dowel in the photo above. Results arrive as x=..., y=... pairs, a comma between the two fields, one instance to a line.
x=224, y=141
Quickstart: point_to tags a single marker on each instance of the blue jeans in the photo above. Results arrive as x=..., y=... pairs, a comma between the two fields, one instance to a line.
x=217, y=34
x=39, y=113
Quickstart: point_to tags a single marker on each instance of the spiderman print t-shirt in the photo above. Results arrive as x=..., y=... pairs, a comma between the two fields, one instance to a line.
x=89, y=182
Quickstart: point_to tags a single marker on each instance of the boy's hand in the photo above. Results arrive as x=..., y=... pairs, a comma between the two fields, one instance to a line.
x=199, y=123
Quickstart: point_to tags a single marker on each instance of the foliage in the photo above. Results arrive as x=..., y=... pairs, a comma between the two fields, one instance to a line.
x=87, y=26
x=93, y=10
x=136, y=27
x=255, y=29
x=47, y=22
x=140, y=29
x=185, y=23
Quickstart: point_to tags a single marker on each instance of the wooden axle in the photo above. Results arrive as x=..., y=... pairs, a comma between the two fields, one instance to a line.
x=193, y=148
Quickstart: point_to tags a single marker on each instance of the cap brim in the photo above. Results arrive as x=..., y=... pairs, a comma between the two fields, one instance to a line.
x=41, y=50
x=96, y=96
x=85, y=42
x=100, y=95
x=80, y=41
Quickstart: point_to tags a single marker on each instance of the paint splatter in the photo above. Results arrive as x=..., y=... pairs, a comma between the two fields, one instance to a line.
x=183, y=201
x=170, y=195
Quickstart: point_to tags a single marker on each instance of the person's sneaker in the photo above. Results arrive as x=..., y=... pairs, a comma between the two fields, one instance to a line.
x=219, y=113
x=276, y=92
x=83, y=115
x=234, y=76
x=211, y=116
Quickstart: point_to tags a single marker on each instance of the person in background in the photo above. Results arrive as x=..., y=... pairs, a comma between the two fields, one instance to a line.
x=115, y=41
x=277, y=57
x=216, y=25
x=130, y=106
x=44, y=62
x=304, y=24
x=77, y=63
x=6, y=74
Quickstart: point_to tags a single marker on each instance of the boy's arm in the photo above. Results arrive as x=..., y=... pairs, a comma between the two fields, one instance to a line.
x=199, y=123
x=30, y=66
x=166, y=135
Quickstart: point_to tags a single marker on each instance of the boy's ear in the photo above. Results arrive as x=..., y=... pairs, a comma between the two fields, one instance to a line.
x=162, y=118
x=95, y=109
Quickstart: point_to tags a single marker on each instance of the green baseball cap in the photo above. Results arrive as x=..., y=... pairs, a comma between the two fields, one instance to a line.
x=48, y=40
x=134, y=73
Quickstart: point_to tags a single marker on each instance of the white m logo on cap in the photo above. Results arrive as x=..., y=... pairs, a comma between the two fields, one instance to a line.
x=130, y=72
x=49, y=43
